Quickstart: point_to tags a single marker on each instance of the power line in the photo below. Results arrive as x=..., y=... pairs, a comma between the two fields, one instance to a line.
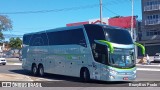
x=54, y=10
x=63, y=9
x=111, y=11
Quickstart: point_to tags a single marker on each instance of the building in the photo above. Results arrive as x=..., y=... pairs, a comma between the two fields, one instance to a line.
x=120, y=21
x=150, y=35
x=139, y=30
x=125, y=22
x=90, y=21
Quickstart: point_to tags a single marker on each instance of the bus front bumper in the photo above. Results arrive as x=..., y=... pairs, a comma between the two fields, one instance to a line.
x=113, y=74
x=121, y=78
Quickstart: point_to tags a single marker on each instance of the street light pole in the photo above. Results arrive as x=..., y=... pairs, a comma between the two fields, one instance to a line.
x=100, y=11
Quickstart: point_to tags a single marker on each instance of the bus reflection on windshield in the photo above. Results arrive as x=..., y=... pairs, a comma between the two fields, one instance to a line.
x=121, y=59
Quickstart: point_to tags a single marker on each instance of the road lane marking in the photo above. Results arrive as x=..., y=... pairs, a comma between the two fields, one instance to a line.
x=148, y=65
x=147, y=69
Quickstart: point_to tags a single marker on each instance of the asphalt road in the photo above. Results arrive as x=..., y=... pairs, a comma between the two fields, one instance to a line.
x=59, y=80
x=65, y=81
x=13, y=60
x=17, y=69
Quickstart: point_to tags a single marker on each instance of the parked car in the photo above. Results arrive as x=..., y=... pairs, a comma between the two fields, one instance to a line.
x=157, y=57
x=3, y=61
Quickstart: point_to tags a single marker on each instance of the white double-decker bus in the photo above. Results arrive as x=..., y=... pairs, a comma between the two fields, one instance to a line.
x=87, y=51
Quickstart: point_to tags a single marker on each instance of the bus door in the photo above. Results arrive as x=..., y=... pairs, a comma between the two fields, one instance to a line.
x=100, y=54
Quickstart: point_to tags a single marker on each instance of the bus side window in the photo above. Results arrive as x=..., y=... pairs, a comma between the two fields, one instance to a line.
x=95, y=52
x=100, y=53
x=83, y=43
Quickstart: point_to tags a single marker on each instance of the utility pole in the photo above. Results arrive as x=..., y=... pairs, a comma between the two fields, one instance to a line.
x=133, y=31
x=100, y=11
x=132, y=34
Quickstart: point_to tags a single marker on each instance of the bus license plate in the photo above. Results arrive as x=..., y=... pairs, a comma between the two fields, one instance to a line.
x=125, y=78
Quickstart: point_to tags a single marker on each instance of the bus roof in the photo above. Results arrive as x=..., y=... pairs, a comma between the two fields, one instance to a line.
x=72, y=27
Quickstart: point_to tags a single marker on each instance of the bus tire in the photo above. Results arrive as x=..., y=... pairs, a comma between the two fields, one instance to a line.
x=85, y=75
x=34, y=69
x=40, y=70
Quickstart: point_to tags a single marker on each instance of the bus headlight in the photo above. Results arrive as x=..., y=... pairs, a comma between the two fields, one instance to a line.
x=134, y=71
x=111, y=77
x=112, y=71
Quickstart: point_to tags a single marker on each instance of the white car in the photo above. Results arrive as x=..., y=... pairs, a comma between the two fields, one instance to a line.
x=3, y=61
x=157, y=57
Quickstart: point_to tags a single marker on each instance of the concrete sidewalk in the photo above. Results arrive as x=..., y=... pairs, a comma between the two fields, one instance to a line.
x=14, y=77
x=20, y=77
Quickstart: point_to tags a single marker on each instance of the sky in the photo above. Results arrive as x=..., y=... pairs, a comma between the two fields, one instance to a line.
x=38, y=15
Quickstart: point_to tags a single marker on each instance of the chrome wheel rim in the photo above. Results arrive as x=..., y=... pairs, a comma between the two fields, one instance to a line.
x=41, y=71
x=34, y=70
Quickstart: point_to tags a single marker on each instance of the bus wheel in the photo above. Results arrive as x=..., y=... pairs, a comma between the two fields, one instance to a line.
x=85, y=76
x=41, y=70
x=34, y=69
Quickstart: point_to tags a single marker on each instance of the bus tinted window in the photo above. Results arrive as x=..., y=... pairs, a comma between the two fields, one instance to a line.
x=34, y=41
x=100, y=52
x=94, y=32
x=26, y=39
x=44, y=39
x=39, y=39
x=118, y=36
x=66, y=37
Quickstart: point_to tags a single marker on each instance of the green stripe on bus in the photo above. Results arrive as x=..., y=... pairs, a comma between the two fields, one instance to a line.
x=121, y=68
x=104, y=42
x=69, y=57
x=141, y=46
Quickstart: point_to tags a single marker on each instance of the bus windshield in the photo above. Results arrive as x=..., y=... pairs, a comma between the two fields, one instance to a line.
x=122, y=58
x=118, y=36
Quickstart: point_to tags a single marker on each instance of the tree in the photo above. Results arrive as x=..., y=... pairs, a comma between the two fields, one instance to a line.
x=5, y=24
x=1, y=37
x=15, y=43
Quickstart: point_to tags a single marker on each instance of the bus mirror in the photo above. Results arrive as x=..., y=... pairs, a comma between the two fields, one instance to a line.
x=104, y=42
x=141, y=46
